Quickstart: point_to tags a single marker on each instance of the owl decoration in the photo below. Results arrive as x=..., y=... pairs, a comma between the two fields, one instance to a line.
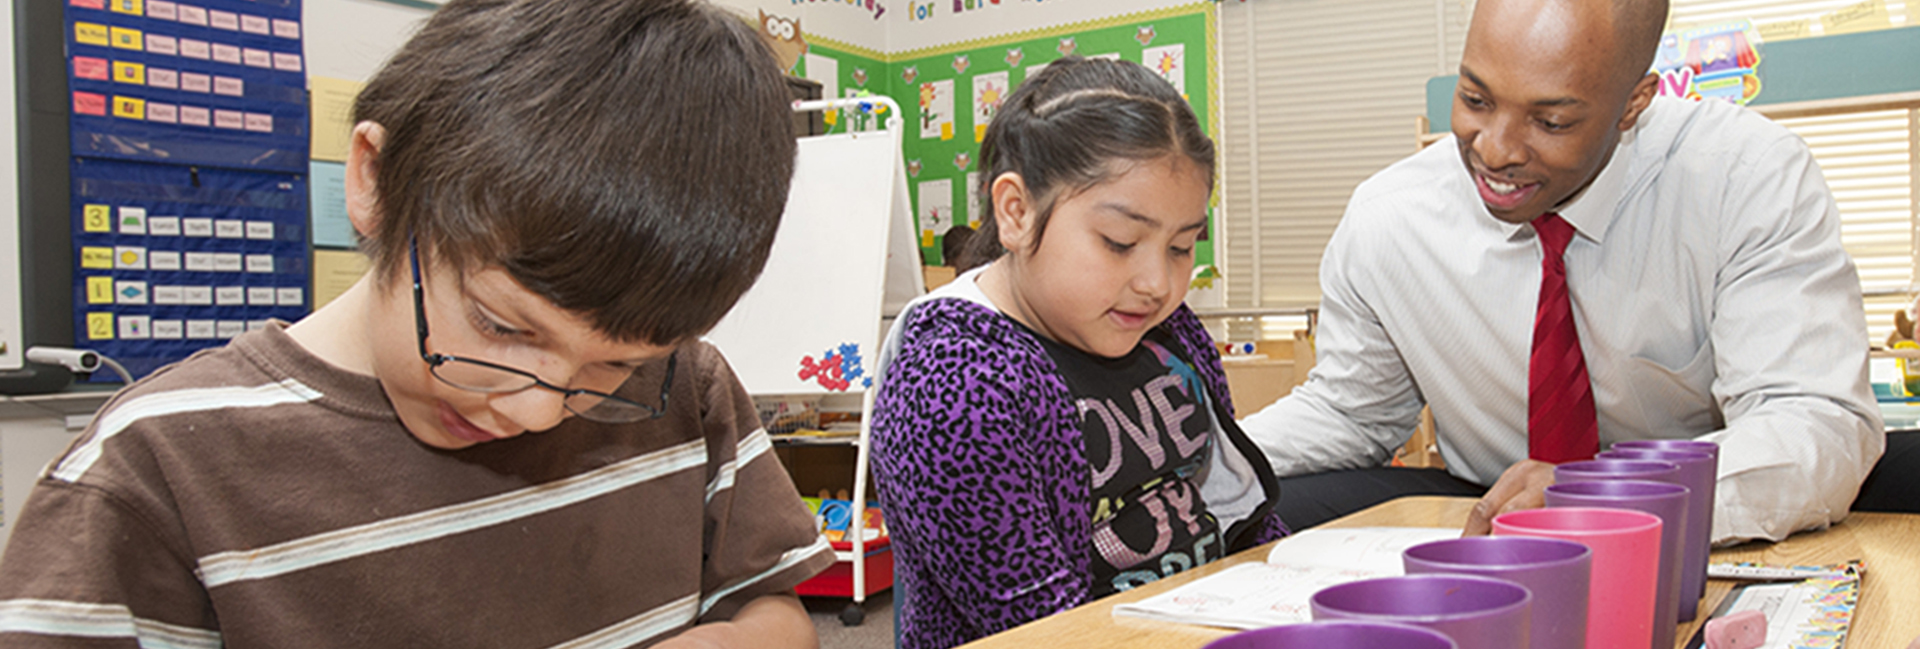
x=1145, y=35
x=1067, y=46
x=960, y=63
x=784, y=37
x=1014, y=57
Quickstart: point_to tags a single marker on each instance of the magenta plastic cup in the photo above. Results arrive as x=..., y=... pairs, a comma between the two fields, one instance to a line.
x=1477, y=612
x=1626, y=565
x=1343, y=634
x=1663, y=499
x=1556, y=572
x=1698, y=474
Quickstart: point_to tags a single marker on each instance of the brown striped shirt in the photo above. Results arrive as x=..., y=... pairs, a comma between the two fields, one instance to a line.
x=254, y=495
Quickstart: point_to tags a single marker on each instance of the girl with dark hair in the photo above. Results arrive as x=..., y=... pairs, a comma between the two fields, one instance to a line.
x=1054, y=426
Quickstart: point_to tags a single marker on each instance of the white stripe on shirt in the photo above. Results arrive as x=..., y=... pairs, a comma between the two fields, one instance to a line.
x=752, y=446
x=639, y=628
x=174, y=402
x=299, y=554
x=790, y=559
x=81, y=619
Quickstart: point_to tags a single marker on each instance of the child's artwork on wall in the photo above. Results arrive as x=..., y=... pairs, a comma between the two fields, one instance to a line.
x=1170, y=62
x=972, y=190
x=936, y=109
x=989, y=91
x=936, y=207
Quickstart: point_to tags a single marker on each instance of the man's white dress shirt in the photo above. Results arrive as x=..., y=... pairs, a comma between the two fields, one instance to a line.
x=1711, y=294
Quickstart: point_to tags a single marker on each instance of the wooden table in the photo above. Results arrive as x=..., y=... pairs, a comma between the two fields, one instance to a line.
x=1888, y=614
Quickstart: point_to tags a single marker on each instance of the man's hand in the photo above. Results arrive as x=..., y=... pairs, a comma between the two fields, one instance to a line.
x=1522, y=486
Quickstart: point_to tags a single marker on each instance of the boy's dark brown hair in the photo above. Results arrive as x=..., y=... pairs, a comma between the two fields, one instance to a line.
x=1076, y=124
x=627, y=160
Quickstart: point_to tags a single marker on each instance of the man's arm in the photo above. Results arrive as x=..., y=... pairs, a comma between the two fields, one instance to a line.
x=774, y=620
x=1359, y=402
x=1790, y=349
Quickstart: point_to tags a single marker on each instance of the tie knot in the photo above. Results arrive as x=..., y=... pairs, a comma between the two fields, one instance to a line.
x=1554, y=233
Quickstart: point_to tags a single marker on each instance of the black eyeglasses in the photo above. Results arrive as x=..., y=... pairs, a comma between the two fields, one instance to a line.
x=482, y=376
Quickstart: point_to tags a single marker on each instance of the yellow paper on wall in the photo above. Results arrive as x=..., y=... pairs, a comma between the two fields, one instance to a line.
x=335, y=271
x=96, y=257
x=90, y=34
x=332, y=116
x=128, y=39
x=100, y=326
x=129, y=72
x=99, y=290
x=129, y=107
x=1865, y=16
x=97, y=218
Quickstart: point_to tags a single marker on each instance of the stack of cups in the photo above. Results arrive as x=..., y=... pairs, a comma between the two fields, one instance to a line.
x=1697, y=473
x=1668, y=504
x=1626, y=560
x=1557, y=572
x=1665, y=500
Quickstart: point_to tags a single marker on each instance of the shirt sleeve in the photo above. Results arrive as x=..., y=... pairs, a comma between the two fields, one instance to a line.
x=83, y=569
x=760, y=539
x=1790, y=353
x=967, y=490
x=1359, y=402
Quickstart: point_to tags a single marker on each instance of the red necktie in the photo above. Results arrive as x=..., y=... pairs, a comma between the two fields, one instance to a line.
x=1561, y=426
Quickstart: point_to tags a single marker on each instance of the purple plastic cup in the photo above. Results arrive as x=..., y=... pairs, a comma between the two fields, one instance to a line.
x=1555, y=571
x=1340, y=634
x=1617, y=469
x=1477, y=612
x=1697, y=471
x=1663, y=499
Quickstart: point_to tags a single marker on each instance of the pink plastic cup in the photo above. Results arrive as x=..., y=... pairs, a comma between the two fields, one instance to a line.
x=1340, y=634
x=1477, y=612
x=1663, y=499
x=1626, y=565
x=1557, y=572
x=1697, y=474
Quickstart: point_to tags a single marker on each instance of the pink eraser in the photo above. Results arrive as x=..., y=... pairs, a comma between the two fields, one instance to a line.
x=1743, y=630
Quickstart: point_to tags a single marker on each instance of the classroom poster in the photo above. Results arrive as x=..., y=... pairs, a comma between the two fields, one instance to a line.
x=936, y=109
x=1170, y=62
x=1716, y=62
x=936, y=207
x=989, y=91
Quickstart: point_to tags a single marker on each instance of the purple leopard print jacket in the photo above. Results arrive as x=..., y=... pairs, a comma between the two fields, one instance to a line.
x=979, y=462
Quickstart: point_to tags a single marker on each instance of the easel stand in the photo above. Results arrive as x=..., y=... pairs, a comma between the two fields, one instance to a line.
x=844, y=259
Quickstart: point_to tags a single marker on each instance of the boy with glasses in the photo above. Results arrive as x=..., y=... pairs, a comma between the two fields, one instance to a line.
x=558, y=197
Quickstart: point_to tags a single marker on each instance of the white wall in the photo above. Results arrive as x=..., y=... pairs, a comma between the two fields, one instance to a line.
x=349, y=39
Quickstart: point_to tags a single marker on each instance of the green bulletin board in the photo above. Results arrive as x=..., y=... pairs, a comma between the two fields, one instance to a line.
x=937, y=89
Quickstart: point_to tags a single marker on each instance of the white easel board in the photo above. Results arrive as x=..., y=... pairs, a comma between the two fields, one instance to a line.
x=843, y=255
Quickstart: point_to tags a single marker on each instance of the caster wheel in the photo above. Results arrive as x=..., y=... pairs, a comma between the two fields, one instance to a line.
x=852, y=615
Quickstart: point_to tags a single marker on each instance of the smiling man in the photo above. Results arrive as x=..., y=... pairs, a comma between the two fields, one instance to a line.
x=1583, y=263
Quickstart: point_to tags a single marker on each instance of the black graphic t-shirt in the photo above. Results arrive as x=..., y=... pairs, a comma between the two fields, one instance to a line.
x=1144, y=418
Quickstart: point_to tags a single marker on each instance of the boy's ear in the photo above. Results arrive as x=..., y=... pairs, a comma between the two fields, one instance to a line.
x=363, y=174
x=1013, y=213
